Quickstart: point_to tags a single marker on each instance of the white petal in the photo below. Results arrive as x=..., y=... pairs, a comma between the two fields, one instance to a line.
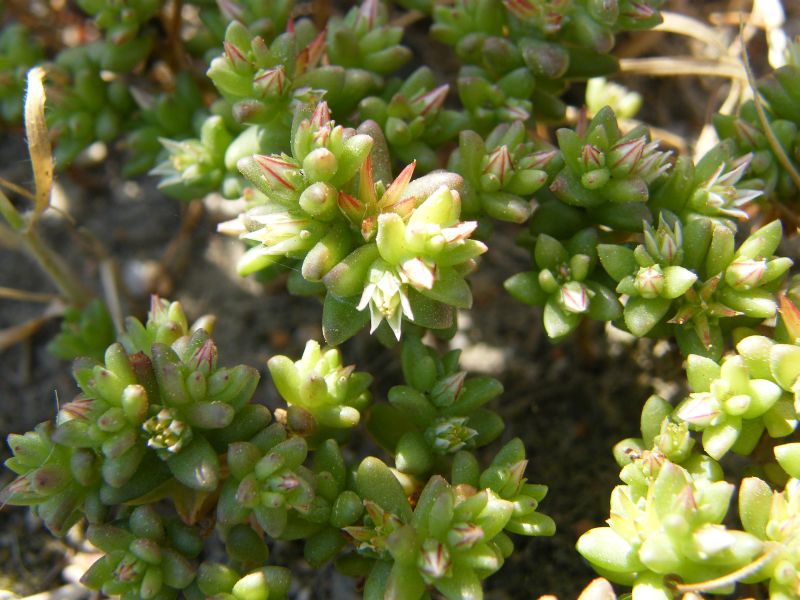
x=406, y=306
x=366, y=296
x=375, y=317
x=419, y=274
x=395, y=321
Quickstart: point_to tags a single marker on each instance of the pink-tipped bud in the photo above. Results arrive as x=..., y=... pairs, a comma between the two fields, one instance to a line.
x=700, y=409
x=237, y=59
x=624, y=156
x=538, y=160
x=311, y=55
x=271, y=82
x=465, y=535
x=649, y=282
x=459, y=232
x=78, y=408
x=394, y=192
x=574, y=297
x=429, y=102
x=745, y=274
x=434, y=562
x=516, y=473
x=204, y=359
x=321, y=116
x=368, y=11
x=230, y=10
x=592, y=158
x=366, y=182
x=499, y=165
x=276, y=171
x=639, y=11
x=446, y=391
x=287, y=482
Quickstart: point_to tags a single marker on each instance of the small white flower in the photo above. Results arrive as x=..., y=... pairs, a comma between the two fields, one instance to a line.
x=281, y=232
x=719, y=193
x=386, y=297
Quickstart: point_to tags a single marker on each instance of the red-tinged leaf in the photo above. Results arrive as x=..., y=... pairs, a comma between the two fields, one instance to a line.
x=790, y=316
x=431, y=101
x=394, y=192
x=310, y=57
x=234, y=55
x=366, y=183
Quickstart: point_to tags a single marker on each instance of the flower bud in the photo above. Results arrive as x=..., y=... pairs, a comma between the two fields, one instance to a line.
x=574, y=297
x=446, y=391
x=625, y=155
x=498, y=170
x=649, y=281
x=464, y=535
x=434, y=561
x=595, y=179
x=135, y=403
x=271, y=82
x=430, y=102
x=591, y=158
x=320, y=165
x=449, y=435
x=320, y=201
x=701, y=409
x=745, y=274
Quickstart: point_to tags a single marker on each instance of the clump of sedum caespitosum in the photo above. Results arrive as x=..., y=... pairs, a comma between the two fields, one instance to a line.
x=161, y=426
x=378, y=186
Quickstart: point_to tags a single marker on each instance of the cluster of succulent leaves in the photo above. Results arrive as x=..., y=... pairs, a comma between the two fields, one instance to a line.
x=158, y=425
x=316, y=133
x=772, y=137
x=518, y=56
x=669, y=529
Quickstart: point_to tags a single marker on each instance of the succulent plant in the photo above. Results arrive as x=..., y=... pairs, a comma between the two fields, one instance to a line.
x=19, y=51
x=144, y=556
x=319, y=391
x=565, y=283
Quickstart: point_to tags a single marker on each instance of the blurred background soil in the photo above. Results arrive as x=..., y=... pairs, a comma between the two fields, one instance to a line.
x=569, y=403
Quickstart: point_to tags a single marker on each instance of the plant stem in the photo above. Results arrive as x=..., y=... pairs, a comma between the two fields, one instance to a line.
x=67, y=282
x=681, y=66
x=25, y=296
x=774, y=143
x=691, y=27
x=733, y=577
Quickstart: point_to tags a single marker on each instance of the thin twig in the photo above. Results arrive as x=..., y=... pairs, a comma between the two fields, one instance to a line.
x=17, y=189
x=671, y=66
x=8, y=293
x=408, y=18
x=17, y=333
x=62, y=275
x=691, y=27
x=175, y=23
x=109, y=281
x=774, y=143
x=730, y=578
